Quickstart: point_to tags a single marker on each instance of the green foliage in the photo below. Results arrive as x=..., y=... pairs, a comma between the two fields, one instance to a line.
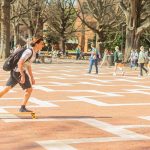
x=71, y=51
x=117, y=42
x=144, y=41
x=52, y=38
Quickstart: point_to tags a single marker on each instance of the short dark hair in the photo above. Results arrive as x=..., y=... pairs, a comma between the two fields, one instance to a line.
x=36, y=41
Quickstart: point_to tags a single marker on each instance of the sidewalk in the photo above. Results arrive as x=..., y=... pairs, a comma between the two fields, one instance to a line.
x=77, y=111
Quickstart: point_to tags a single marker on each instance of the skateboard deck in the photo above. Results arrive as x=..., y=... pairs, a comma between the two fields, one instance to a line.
x=32, y=114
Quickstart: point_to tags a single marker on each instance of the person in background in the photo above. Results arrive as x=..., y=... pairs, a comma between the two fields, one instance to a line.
x=141, y=61
x=18, y=47
x=78, y=51
x=118, y=61
x=146, y=57
x=105, y=58
x=94, y=58
x=82, y=55
x=134, y=59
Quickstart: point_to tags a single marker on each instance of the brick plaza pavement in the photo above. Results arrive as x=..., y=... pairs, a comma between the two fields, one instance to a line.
x=78, y=111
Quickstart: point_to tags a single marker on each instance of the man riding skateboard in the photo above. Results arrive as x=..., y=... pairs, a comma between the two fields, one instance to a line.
x=19, y=73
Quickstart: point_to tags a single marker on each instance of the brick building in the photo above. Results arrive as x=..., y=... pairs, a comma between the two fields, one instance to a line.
x=84, y=35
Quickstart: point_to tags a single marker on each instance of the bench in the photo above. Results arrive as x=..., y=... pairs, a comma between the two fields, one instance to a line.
x=45, y=57
x=73, y=56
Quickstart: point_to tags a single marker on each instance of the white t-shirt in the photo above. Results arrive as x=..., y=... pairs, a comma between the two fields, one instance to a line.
x=25, y=56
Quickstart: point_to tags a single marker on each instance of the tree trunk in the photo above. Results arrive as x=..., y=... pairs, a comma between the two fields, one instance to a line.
x=129, y=43
x=132, y=42
x=132, y=24
x=5, y=29
x=30, y=33
x=63, y=40
x=16, y=34
x=83, y=37
x=99, y=41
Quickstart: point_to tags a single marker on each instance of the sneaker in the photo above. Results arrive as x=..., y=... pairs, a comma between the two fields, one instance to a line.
x=24, y=110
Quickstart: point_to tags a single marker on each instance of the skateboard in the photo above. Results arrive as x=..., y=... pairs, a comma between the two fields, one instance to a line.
x=32, y=114
x=26, y=114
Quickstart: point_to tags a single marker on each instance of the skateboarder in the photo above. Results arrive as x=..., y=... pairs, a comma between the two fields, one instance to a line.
x=19, y=73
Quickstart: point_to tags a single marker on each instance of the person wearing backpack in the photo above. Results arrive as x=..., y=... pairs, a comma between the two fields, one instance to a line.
x=22, y=72
x=141, y=61
x=118, y=61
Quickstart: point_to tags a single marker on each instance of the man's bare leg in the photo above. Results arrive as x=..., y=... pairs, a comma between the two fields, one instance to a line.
x=27, y=96
x=25, y=100
x=5, y=90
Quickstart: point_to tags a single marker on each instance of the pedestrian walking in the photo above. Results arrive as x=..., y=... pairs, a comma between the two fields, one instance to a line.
x=94, y=58
x=78, y=52
x=134, y=59
x=105, y=58
x=141, y=61
x=22, y=73
x=146, y=57
x=118, y=61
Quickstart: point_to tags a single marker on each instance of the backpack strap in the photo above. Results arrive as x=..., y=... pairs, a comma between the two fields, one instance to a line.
x=31, y=54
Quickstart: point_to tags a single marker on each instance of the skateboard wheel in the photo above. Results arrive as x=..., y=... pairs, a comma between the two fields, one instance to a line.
x=33, y=115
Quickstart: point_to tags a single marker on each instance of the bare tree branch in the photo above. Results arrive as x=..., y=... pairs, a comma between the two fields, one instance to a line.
x=145, y=25
x=124, y=8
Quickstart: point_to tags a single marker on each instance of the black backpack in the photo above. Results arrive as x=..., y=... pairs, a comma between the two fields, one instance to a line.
x=11, y=62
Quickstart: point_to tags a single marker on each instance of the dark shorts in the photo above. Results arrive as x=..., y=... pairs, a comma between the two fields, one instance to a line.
x=15, y=79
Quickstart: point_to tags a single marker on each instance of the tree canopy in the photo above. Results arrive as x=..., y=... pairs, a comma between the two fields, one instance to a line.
x=108, y=19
